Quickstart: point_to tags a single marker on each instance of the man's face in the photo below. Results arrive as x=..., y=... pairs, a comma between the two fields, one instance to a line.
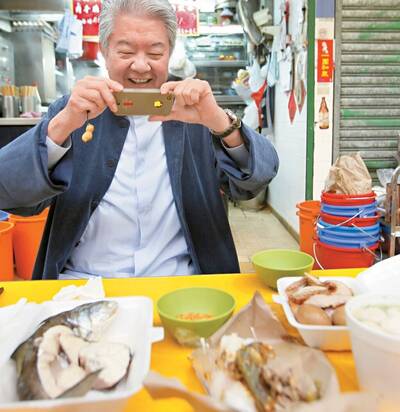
x=138, y=52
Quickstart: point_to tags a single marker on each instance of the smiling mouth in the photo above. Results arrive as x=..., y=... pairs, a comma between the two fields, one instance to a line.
x=140, y=81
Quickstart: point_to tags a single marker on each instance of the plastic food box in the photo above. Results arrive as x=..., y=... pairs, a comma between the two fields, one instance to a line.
x=334, y=338
x=376, y=353
x=132, y=325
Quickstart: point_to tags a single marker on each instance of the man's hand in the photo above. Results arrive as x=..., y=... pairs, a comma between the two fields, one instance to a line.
x=195, y=103
x=90, y=94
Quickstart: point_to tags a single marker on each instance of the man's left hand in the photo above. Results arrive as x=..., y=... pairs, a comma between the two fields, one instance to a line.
x=194, y=103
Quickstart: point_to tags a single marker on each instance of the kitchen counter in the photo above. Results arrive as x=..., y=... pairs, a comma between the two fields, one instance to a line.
x=19, y=121
x=168, y=358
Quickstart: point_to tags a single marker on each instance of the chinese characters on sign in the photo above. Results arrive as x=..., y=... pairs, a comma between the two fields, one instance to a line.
x=88, y=11
x=187, y=16
x=325, y=61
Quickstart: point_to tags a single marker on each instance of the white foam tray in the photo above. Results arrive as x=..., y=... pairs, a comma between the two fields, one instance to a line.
x=132, y=325
x=335, y=338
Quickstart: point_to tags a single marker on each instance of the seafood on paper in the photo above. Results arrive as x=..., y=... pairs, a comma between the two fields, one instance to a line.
x=67, y=357
x=316, y=302
x=251, y=376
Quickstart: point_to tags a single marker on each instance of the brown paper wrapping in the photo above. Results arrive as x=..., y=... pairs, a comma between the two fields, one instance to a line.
x=349, y=175
x=257, y=319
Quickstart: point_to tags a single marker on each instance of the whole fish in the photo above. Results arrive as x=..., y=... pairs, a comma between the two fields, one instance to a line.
x=87, y=321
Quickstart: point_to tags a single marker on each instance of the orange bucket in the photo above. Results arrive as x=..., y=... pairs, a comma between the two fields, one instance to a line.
x=28, y=232
x=6, y=251
x=308, y=214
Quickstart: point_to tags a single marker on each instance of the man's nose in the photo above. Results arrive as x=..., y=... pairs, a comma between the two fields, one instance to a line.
x=140, y=64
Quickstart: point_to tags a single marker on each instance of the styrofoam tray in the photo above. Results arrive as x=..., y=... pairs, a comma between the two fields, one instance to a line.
x=322, y=337
x=132, y=326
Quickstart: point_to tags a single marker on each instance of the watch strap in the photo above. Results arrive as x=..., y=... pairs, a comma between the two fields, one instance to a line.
x=236, y=123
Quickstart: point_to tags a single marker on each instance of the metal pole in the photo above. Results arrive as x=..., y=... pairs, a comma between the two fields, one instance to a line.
x=394, y=228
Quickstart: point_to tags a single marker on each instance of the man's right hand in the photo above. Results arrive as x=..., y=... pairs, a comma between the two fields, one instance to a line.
x=90, y=94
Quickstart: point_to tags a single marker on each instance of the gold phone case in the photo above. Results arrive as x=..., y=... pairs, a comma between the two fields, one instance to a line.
x=143, y=102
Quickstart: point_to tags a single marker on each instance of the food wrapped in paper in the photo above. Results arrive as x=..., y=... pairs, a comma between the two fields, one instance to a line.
x=249, y=366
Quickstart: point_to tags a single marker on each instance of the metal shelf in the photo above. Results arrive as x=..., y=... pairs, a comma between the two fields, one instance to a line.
x=229, y=99
x=220, y=63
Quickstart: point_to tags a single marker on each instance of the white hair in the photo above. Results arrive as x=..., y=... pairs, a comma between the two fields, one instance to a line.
x=160, y=9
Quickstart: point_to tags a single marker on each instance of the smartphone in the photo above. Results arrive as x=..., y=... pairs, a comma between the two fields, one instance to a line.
x=142, y=102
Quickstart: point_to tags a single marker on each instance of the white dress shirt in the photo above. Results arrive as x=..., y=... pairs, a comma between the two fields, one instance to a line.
x=135, y=230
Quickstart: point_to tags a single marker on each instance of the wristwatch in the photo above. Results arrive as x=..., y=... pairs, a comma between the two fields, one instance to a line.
x=236, y=123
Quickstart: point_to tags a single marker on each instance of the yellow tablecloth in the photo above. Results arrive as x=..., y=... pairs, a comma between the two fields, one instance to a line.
x=168, y=358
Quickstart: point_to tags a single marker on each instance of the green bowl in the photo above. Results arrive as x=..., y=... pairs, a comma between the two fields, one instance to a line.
x=273, y=264
x=214, y=302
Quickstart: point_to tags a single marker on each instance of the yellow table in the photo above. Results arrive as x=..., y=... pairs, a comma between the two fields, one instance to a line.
x=168, y=358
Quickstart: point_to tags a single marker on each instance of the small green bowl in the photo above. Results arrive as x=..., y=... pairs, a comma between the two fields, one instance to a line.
x=273, y=264
x=214, y=302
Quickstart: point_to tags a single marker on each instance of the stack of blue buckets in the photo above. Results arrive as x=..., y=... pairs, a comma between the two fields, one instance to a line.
x=348, y=230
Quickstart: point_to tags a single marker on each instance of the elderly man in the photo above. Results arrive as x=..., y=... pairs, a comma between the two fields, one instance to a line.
x=142, y=198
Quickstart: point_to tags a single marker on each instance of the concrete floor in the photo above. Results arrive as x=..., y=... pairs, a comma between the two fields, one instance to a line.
x=255, y=230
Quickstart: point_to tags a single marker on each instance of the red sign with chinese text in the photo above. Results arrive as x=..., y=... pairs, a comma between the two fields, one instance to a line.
x=325, y=62
x=88, y=11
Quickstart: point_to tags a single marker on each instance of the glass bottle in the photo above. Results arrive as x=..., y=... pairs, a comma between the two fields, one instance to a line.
x=323, y=115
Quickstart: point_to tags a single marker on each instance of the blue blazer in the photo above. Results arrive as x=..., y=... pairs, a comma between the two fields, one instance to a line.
x=197, y=164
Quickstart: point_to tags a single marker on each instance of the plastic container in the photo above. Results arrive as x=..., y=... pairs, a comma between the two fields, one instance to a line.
x=350, y=211
x=332, y=195
x=334, y=257
x=376, y=353
x=6, y=251
x=347, y=243
x=347, y=200
x=3, y=216
x=344, y=196
x=317, y=336
x=132, y=325
x=308, y=214
x=349, y=221
x=348, y=231
x=349, y=237
x=28, y=232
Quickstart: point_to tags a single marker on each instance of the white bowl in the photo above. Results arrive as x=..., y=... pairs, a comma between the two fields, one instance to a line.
x=376, y=353
x=334, y=338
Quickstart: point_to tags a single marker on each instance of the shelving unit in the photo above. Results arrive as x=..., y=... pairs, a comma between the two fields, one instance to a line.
x=218, y=53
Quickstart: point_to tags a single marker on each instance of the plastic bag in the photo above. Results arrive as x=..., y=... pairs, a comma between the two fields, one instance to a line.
x=385, y=176
x=179, y=64
x=349, y=175
x=251, y=117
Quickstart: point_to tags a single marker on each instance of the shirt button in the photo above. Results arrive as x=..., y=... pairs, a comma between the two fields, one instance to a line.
x=110, y=163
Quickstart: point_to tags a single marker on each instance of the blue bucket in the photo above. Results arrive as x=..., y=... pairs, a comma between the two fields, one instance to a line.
x=349, y=243
x=350, y=211
x=3, y=216
x=348, y=231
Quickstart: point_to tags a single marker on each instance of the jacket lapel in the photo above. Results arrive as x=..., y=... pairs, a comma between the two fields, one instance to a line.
x=174, y=140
